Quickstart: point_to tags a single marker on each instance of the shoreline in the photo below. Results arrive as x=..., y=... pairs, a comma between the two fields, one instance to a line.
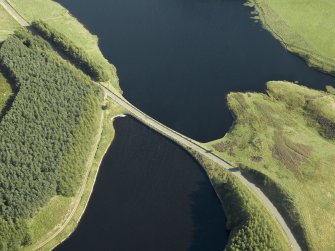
x=96, y=172
x=73, y=209
x=312, y=59
x=71, y=223
x=95, y=175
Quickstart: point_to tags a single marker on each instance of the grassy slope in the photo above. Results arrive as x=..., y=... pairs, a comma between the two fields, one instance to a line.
x=5, y=93
x=60, y=19
x=305, y=27
x=8, y=24
x=277, y=134
x=50, y=216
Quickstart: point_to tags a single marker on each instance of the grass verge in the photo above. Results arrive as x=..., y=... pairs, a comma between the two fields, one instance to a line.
x=250, y=224
x=7, y=24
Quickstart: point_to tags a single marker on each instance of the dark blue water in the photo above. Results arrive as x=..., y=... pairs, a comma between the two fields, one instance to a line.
x=150, y=195
x=178, y=59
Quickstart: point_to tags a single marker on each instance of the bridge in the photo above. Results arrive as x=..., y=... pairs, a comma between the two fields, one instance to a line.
x=195, y=146
x=183, y=141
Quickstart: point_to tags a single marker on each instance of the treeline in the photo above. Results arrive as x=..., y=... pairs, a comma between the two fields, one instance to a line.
x=282, y=201
x=55, y=114
x=13, y=234
x=251, y=227
x=77, y=55
x=250, y=224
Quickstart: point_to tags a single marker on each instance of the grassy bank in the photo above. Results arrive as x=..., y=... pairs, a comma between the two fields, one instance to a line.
x=250, y=224
x=7, y=24
x=75, y=54
x=62, y=21
x=287, y=137
x=304, y=27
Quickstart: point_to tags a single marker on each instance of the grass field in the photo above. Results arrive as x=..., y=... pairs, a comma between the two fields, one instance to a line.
x=6, y=92
x=7, y=24
x=288, y=137
x=305, y=27
x=60, y=19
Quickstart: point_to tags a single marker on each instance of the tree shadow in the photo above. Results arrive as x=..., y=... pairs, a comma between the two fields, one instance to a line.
x=15, y=89
x=207, y=215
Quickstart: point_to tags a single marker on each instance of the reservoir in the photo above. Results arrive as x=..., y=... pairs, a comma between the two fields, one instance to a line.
x=150, y=195
x=178, y=59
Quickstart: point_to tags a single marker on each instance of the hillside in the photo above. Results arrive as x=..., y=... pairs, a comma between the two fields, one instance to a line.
x=285, y=140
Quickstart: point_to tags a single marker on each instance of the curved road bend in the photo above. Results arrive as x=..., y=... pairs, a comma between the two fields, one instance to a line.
x=181, y=139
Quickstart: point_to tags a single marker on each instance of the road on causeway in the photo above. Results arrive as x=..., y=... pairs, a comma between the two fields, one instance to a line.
x=183, y=140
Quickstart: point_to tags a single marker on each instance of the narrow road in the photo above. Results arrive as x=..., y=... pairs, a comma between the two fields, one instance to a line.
x=9, y=8
x=181, y=139
x=67, y=218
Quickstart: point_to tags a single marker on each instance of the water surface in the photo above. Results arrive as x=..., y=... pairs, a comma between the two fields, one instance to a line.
x=178, y=59
x=149, y=195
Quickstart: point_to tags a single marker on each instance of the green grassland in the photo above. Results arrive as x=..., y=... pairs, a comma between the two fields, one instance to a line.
x=285, y=139
x=61, y=20
x=6, y=92
x=305, y=27
x=7, y=24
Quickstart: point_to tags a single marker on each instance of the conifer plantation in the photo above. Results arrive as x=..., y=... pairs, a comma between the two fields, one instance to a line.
x=55, y=112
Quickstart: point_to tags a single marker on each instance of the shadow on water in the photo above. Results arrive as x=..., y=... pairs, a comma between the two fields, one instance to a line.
x=150, y=195
x=177, y=60
x=203, y=236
